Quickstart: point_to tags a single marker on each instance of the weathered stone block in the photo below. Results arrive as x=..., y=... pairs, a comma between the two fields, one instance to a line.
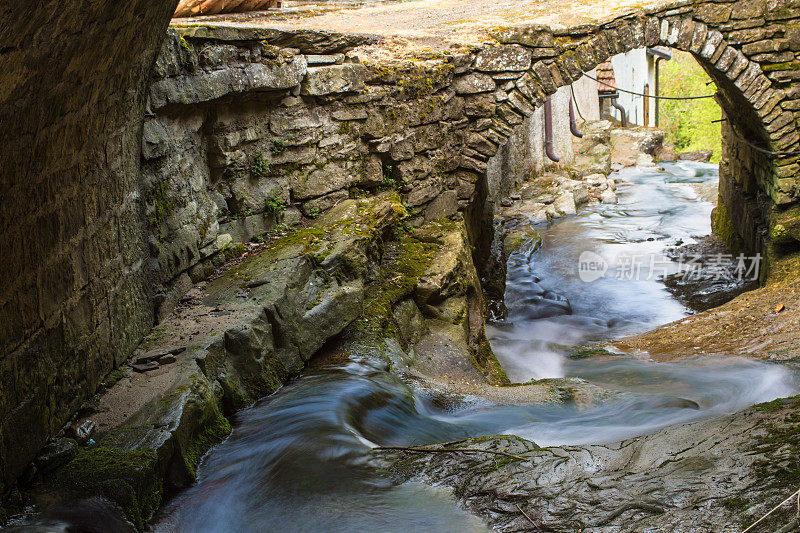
x=545, y=78
x=332, y=177
x=534, y=37
x=713, y=13
x=216, y=84
x=502, y=58
x=424, y=193
x=334, y=79
x=748, y=9
x=479, y=105
x=474, y=83
x=332, y=59
x=713, y=46
x=445, y=205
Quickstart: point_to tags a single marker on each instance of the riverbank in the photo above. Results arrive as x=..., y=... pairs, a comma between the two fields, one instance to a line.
x=761, y=324
x=358, y=292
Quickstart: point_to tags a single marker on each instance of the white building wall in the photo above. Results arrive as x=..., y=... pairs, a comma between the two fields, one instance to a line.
x=588, y=105
x=632, y=71
x=523, y=156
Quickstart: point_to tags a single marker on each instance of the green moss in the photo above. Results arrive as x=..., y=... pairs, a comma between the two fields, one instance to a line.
x=488, y=364
x=722, y=227
x=233, y=397
x=111, y=379
x=405, y=261
x=124, y=477
x=173, y=395
x=233, y=250
x=487, y=438
x=419, y=81
x=212, y=434
x=784, y=226
x=785, y=269
x=156, y=336
x=786, y=65
x=160, y=205
x=185, y=45
x=779, y=444
x=735, y=503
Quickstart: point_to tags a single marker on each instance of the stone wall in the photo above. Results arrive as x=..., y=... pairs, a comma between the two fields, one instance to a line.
x=74, y=296
x=523, y=157
x=281, y=125
x=246, y=136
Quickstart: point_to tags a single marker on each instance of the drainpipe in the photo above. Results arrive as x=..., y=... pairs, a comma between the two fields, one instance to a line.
x=573, y=126
x=548, y=132
x=621, y=110
x=658, y=58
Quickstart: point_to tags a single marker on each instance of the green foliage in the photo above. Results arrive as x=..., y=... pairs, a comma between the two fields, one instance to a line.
x=278, y=146
x=260, y=167
x=689, y=123
x=313, y=212
x=390, y=181
x=185, y=45
x=274, y=205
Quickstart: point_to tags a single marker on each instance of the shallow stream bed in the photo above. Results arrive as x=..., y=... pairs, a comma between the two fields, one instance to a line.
x=298, y=460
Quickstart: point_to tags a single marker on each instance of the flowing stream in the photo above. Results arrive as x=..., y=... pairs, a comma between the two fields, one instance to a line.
x=296, y=461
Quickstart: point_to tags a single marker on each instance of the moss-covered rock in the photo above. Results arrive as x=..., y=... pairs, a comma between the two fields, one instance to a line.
x=722, y=226
x=784, y=226
x=154, y=452
x=124, y=477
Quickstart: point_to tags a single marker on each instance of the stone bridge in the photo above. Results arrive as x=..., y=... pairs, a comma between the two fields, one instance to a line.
x=123, y=185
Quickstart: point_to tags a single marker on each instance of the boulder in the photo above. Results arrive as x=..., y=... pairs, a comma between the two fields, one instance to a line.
x=608, y=197
x=565, y=203
x=580, y=194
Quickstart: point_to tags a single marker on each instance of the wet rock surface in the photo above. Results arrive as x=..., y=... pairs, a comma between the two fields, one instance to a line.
x=715, y=475
x=238, y=342
x=711, y=275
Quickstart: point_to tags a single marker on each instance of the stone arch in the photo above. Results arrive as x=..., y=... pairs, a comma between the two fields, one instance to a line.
x=759, y=100
x=73, y=299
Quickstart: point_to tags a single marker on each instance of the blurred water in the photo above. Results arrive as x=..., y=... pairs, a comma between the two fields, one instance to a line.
x=296, y=461
x=551, y=307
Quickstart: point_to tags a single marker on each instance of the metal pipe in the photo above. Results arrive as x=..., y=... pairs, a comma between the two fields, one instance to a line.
x=548, y=131
x=657, y=84
x=573, y=126
x=621, y=110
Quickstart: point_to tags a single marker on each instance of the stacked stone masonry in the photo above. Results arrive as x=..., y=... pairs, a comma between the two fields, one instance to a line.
x=74, y=295
x=247, y=128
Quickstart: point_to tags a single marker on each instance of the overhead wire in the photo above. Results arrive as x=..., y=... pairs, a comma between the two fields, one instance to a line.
x=735, y=133
x=650, y=95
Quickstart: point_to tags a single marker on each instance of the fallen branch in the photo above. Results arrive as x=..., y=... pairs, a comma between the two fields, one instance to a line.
x=451, y=450
x=526, y=515
x=787, y=500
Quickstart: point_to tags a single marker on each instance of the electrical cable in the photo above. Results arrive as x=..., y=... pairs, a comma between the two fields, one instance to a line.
x=650, y=95
x=577, y=107
x=750, y=144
